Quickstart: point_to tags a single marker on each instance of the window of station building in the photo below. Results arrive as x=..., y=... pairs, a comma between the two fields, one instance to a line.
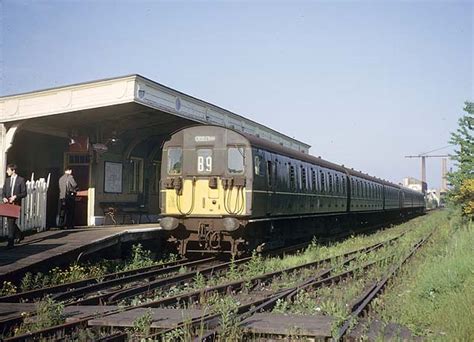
x=78, y=159
x=257, y=162
x=235, y=160
x=204, y=160
x=338, y=185
x=136, y=183
x=343, y=183
x=157, y=173
x=175, y=160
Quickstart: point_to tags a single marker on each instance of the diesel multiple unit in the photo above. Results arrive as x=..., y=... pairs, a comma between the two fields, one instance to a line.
x=225, y=191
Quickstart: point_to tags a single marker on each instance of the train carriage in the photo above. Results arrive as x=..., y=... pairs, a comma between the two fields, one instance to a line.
x=223, y=190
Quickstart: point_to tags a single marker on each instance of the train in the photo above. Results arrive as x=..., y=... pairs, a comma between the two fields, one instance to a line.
x=224, y=191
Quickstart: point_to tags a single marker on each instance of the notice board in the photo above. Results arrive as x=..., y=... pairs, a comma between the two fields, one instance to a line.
x=113, y=177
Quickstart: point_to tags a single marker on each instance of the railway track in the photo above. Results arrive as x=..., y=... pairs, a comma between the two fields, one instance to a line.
x=70, y=290
x=124, y=286
x=324, y=277
x=63, y=330
x=98, y=290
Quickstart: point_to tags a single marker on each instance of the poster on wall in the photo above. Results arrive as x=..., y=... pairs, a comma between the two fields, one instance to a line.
x=113, y=177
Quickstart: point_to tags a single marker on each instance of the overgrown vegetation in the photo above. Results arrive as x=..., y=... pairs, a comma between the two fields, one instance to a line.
x=48, y=313
x=434, y=296
x=462, y=180
x=142, y=324
x=139, y=258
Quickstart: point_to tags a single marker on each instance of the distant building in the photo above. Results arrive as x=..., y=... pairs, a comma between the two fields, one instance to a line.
x=412, y=183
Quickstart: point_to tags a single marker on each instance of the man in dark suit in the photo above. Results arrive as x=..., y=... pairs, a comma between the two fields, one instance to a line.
x=67, y=197
x=14, y=190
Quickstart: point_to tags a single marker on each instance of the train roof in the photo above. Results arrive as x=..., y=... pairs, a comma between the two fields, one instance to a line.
x=268, y=145
x=274, y=147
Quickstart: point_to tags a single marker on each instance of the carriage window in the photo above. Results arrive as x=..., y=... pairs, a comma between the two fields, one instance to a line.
x=323, y=185
x=270, y=173
x=303, y=178
x=175, y=160
x=235, y=161
x=204, y=160
x=292, y=177
x=256, y=165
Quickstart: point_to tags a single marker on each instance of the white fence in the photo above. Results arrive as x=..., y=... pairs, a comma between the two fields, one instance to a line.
x=33, y=206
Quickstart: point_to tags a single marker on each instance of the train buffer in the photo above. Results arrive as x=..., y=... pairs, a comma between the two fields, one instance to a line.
x=42, y=251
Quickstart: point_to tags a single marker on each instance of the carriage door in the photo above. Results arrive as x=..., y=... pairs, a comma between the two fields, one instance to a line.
x=272, y=202
x=80, y=165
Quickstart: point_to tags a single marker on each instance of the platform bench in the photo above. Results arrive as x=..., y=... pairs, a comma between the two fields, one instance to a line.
x=113, y=210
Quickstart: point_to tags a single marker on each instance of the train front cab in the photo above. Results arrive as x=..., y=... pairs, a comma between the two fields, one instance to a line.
x=205, y=188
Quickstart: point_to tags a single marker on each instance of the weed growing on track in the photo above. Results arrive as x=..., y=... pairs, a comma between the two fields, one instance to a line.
x=142, y=324
x=227, y=308
x=7, y=289
x=48, y=314
x=199, y=281
x=140, y=257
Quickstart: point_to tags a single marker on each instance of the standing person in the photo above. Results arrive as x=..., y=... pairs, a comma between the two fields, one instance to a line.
x=14, y=190
x=67, y=197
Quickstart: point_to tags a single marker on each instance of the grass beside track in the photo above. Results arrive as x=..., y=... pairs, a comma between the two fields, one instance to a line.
x=434, y=294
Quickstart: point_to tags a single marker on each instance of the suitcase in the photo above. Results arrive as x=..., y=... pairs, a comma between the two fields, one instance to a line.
x=10, y=210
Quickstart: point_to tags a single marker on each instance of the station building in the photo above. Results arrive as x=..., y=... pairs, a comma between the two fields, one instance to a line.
x=110, y=132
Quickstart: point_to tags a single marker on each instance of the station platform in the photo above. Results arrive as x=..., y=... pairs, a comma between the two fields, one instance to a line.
x=45, y=250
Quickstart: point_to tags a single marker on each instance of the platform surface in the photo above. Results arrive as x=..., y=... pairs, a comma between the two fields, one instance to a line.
x=52, y=247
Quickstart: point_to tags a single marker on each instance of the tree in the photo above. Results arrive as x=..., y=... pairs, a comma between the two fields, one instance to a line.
x=462, y=179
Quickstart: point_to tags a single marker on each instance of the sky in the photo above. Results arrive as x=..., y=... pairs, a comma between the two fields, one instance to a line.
x=363, y=82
